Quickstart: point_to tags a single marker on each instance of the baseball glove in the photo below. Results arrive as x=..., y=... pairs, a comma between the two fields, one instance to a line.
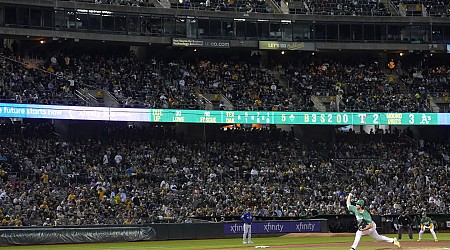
x=362, y=224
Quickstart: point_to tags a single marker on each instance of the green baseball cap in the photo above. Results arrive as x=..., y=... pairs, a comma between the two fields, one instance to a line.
x=360, y=202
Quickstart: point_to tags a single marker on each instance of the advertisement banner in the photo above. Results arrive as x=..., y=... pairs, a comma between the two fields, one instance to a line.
x=277, y=45
x=200, y=43
x=14, y=110
x=272, y=227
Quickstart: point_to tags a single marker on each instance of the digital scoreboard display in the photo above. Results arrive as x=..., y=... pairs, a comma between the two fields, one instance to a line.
x=313, y=118
x=219, y=116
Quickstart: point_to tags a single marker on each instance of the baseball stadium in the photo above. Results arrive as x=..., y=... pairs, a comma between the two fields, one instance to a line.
x=224, y=124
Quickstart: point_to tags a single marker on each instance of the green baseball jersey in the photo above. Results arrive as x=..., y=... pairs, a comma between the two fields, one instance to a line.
x=360, y=216
x=426, y=222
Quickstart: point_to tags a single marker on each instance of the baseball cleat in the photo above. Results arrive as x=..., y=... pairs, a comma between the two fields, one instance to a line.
x=244, y=242
x=250, y=242
x=418, y=239
x=396, y=242
x=436, y=240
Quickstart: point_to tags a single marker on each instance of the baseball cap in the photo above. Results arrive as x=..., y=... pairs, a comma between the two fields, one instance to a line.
x=424, y=214
x=360, y=202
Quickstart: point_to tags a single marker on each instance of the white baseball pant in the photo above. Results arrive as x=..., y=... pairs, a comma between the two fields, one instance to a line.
x=422, y=230
x=372, y=233
x=247, y=230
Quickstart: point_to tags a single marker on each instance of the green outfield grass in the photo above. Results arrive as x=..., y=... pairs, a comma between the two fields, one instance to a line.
x=222, y=244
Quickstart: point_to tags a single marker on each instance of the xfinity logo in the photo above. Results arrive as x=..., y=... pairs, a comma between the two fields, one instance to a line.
x=304, y=226
x=273, y=227
x=236, y=228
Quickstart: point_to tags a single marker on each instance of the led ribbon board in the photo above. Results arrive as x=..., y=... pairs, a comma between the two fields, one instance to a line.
x=219, y=116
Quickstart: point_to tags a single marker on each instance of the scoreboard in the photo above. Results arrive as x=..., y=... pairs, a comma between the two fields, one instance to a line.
x=219, y=116
x=312, y=118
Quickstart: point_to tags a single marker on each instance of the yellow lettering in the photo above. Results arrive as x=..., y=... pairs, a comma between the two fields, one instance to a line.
x=208, y=119
x=229, y=120
x=157, y=112
x=178, y=119
x=306, y=118
x=394, y=121
x=157, y=118
x=393, y=116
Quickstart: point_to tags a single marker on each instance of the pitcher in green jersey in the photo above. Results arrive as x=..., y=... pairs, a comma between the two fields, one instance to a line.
x=370, y=227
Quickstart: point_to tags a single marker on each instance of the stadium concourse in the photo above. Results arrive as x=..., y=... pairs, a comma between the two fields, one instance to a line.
x=137, y=175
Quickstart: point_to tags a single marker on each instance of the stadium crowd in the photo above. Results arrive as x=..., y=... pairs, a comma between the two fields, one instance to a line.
x=324, y=7
x=348, y=8
x=146, y=85
x=365, y=86
x=136, y=175
x=214, y=5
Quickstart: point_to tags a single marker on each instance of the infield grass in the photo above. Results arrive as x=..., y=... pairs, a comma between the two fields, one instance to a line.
x=234, y=243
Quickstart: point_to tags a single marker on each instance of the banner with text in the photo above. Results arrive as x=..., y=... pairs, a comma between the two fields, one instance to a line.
x=200, y=43
x=270, y=227
x=277, y=45
x=14, y=110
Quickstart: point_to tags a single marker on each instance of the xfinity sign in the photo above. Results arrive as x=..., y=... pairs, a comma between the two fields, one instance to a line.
x=273, y=227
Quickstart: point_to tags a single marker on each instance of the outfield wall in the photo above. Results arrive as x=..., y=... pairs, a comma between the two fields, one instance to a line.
x=168, y=231
x=208, y=230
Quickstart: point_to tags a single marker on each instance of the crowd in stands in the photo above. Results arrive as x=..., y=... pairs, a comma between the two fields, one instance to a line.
x=157, y=83
x=214, y=5
x=323, y=7
x=20, y=82
x=437, y=8
x=136, y=175
x=348, y=7
x=247, y=6
x=134, y=3
x=154, y=84
x=432, y=82
x=364, y=86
